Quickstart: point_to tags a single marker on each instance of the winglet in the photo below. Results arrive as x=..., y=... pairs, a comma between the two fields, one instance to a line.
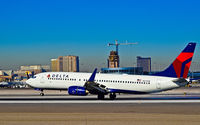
x=92, y=77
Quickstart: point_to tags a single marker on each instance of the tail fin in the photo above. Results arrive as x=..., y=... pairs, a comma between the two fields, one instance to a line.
x=180, y=67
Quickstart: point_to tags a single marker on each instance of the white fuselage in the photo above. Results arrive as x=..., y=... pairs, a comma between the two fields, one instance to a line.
x=126, y=83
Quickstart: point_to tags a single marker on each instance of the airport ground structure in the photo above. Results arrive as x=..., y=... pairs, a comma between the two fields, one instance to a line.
x=123, y=70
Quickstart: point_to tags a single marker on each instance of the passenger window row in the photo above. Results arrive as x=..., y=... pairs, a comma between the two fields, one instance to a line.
x=110, y=81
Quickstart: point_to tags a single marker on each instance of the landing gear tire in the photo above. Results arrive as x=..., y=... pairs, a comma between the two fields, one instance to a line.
x=112, y=96
x=42, y=94
x=101, y=96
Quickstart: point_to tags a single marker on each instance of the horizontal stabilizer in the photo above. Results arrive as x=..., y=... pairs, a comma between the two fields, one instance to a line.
x=180, y=80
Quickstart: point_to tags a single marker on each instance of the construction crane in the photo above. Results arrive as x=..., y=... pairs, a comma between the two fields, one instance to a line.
x=117, y=45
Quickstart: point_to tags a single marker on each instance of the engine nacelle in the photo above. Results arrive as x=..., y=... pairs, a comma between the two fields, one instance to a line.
x=77, y=90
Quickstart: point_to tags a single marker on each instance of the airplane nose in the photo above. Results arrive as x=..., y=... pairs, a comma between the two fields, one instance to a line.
x=29, y=82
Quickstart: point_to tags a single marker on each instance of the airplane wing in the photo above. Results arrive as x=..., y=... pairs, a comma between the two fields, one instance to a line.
x=181, y=82
x=94, y=87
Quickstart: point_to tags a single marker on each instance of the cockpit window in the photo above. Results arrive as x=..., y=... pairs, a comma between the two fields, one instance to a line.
x=34, y=77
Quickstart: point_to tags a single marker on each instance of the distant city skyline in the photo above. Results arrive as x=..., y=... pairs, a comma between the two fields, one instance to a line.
x=35, y=31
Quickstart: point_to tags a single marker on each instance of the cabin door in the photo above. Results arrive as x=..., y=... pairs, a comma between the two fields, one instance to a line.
x=158, y=84
x=42, y=79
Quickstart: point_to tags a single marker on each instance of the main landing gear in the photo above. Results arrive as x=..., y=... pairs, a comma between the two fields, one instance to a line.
x=112, y=96
x=102, y=96
x=42, y=93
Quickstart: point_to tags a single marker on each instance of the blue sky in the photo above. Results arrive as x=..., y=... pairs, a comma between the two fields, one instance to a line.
x=34, y=31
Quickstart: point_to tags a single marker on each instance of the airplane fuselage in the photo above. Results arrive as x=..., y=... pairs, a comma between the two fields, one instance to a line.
x=115, y=83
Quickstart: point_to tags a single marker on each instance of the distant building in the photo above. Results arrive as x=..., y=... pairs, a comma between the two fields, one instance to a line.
x=145, y=63
x=54, y=63
x=65, y=64
x=194, y=75
x=35, y=68
x=113, y=60
x=60, y=64
x=70, y=64
x=123, y=70
x=31, y=69
x=46, y=68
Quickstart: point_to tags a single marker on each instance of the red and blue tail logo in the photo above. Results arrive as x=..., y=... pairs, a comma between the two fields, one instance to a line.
x=180, y=67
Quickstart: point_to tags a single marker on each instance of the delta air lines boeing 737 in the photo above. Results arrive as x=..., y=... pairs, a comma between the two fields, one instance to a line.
x=103, y=84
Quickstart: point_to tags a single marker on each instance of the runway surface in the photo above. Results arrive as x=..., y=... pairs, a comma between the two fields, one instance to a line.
x=22, y=107
x=93, y=99
x=31, y=96
x=100, y=114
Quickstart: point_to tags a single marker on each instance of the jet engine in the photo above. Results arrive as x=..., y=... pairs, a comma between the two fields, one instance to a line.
x=77, y=90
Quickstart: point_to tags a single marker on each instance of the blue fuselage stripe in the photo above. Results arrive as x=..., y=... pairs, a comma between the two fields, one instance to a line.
x=126, y=91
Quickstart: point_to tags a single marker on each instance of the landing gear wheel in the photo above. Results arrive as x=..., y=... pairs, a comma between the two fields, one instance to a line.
x=101, y=96
x=112, y=96
x=42, y=94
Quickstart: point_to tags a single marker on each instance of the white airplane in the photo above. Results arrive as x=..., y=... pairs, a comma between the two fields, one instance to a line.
x=102, y=84
x=12, y=84
x=4, y=84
